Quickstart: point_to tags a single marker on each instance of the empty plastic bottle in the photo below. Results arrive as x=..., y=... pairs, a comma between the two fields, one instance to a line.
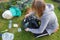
x=10, y=24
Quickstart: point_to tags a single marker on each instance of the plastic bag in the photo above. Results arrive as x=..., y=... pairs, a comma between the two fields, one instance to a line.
x=7, y=15
x=7, y=36
x=15, y=11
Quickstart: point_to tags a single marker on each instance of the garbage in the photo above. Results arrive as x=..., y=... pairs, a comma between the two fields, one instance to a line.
x=7, y=36
x=19, y=30
x=15, y=11
x=31, y=22
x=10, y=24
x=7, y=15
x=5, y=30
x=12, y=12
x=15, y=25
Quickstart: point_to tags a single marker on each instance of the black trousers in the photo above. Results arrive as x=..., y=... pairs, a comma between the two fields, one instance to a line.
x=41, y=34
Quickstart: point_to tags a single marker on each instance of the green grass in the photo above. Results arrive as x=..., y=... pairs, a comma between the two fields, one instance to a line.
x=27, y=35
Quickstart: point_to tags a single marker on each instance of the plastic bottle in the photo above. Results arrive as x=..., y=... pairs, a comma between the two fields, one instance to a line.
x=10, y=24
x=19, y=30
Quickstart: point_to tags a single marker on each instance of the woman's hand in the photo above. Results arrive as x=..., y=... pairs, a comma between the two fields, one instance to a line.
x=28, y=12
x=56, y=29
x=26, y=15
x=27, y=29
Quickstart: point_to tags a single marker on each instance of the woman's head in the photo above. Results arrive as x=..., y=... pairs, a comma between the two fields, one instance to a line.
x=38, y=6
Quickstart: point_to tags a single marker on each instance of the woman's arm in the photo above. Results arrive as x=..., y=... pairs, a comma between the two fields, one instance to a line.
x=44, y=23
x=29, y=12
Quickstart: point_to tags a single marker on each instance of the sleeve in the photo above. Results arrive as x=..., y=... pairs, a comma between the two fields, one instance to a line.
x=44, y=23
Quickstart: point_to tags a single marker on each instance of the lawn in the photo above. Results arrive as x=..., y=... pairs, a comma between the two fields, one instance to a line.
x=27, y=35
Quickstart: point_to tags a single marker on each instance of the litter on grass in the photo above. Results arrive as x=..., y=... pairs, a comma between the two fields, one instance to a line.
x=12, y=12
x=5, y=30
x=19, y=30
x=15, y=25
x=7, y=36
x=10, y=24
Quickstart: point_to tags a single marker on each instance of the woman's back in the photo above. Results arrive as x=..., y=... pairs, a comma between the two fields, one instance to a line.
x=50, y=15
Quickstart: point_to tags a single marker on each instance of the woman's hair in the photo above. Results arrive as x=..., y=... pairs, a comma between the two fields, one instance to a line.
x=28, y=10
x=39, y=7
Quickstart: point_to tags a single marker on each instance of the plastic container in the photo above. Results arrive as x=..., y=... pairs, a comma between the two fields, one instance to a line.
x=10, y=24
x=7, y=36
x=19, y=30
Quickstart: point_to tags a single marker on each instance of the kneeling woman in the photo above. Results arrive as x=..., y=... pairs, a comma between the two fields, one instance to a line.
x=45, y=13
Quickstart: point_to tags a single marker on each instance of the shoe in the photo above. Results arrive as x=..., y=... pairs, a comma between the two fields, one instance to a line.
x=41, y=35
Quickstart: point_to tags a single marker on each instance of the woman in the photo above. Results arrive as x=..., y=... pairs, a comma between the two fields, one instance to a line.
x=45, y=13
